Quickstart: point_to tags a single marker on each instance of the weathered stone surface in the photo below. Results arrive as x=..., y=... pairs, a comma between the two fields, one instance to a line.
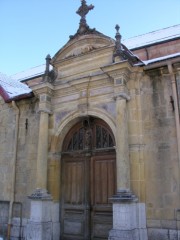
x=129, y=220
x=135, y=102
x=39, y=231
x=162, y=234
x=123, y=235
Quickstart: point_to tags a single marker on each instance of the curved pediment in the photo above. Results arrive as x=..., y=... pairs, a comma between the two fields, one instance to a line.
x=82, y=45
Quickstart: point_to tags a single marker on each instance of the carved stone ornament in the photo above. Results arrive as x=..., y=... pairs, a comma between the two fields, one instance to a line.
x=83, y=26
x=83, y=11
x=49, y=75
x=121, y=52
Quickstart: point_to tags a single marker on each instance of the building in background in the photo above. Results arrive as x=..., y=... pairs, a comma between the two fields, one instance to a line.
x=90, y=141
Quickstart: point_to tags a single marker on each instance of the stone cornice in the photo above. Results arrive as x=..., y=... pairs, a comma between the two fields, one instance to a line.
x=43, y=88
x=116, y=70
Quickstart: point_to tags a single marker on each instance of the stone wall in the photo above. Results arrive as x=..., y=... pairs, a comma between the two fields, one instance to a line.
x=26, y=151
x=7, y=136
x=157, y=50
x=160, y=154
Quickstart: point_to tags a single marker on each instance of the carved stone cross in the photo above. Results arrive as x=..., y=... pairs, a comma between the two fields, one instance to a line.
x=83, y=26
x=84, y=9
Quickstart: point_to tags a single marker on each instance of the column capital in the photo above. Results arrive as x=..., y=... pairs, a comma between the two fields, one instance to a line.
x=45, y=103
x=44, y=92
x=43, y=88
x=121, y=96
x=120, y=72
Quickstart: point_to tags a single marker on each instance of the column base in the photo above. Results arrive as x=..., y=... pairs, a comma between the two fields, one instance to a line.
x=123, y=195
x=129, y=217
x=39, y=231
x=40, y=225
x=116, y=234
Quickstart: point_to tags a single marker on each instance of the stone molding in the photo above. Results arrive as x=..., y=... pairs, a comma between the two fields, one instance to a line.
x=122, y=95
x=40, y=194
x=123, y=195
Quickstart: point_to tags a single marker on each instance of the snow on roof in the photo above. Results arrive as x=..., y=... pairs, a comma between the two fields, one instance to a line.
x=161, y=58
x=131, y=43
x=30, y=73
x=11, y=88
x=153, y=37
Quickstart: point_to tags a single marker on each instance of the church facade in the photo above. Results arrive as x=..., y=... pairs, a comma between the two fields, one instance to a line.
x=90, y=142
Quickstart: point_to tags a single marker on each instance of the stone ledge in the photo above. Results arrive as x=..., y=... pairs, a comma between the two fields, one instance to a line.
x=40, y=194
x=124, y=195
x=124, y=234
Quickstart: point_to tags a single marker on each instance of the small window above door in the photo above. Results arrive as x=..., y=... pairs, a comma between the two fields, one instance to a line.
x=89, y=134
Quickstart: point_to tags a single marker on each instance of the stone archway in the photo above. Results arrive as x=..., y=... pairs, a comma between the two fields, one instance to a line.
x=88, y=179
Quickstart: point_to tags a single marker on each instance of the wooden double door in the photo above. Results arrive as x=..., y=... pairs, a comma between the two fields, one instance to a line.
x=88, y=181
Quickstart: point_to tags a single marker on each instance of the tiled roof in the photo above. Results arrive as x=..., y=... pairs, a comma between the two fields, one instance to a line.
x=11, y=89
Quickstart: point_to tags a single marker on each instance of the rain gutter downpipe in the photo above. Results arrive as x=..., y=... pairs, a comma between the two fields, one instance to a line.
x=14, y=160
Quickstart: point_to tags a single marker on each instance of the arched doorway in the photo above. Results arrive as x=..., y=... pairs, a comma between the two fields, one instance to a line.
x=88, y=180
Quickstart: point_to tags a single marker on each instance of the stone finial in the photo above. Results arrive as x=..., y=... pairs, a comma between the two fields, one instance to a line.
x=49, y=75
x=118, y=40
x=48, y=59
x=121, y=52
x=82, y=12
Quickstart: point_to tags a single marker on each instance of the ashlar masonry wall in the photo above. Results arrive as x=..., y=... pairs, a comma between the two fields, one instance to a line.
x=27, y=152
x=7, y=135
x=160, y=154
x=24, y=158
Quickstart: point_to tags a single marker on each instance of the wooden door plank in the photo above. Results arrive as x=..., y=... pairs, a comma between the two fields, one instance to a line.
x=74, y=208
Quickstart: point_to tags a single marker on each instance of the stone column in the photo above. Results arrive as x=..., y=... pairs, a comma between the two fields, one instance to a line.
x=40, y=225
x=41, y=174
x=122, y=146
x=42, y=153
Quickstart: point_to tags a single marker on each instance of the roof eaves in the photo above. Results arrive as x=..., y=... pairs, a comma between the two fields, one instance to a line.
x=31, y=78
x=160, y=59
x=153, y=44
x=159, y=62
x=4, y=94
x=19, y=97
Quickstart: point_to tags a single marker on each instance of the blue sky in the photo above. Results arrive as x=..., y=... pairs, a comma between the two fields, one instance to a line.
x=31, y=29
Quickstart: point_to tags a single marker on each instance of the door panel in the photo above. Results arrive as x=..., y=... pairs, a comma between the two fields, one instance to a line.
x=88, y=181
x=103, y=182
x=75, y=206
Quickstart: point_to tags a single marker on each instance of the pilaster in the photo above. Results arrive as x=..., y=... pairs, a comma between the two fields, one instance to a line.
x=40, y=224
x=129, y=218
x=44, y=94
x=120, y=74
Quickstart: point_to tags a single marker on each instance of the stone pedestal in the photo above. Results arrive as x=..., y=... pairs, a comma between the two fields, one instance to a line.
x=39, y=226
x=129, y=218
